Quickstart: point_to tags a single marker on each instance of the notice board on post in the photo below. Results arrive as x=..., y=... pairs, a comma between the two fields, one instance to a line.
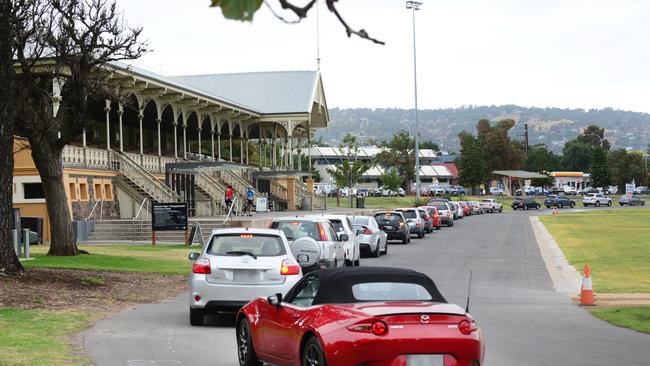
x=169, y=216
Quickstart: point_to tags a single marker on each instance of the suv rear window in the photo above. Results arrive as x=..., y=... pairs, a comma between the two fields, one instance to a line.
x=360, y=221
x=237, y=244
x=298, y=229
x=388, y=217
x=409, y=214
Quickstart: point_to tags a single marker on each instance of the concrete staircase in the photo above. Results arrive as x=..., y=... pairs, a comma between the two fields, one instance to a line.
x=130, y=230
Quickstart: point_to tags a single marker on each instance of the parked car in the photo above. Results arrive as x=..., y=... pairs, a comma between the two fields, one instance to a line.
x=525, y=204
x=596, y=199
x=372, y=240
x=641, y=190
x=461, y=190
x=237, y=265
x=569, y=191
x=588, y=190
x=343, y=226
x=496, y=191
x=476, y=207
x=467, y=209
x=445, y=211
x=433, y=212
x=394, y=225
x=559, y=202
x=358, y=316
x=401, y=192
x=633, y=200
x=610, y=190
x=414, y=221
x=320, y=229
x=491, y=205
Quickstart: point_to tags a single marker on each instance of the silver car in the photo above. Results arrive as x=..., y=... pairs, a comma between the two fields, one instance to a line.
x=320, y=229
x=372, y=239
x=343, y=226
x=238, y=265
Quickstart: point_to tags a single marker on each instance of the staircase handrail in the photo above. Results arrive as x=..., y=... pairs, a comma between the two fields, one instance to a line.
x=243, y=183
x=92, y=212
x=159, y=191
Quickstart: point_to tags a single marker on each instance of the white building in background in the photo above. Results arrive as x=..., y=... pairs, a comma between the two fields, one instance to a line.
x=432, y=169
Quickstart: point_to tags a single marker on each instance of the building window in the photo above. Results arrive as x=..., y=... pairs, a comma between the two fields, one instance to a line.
x=33, y=191
x=98, y=191
x=108, y=190
x=83, y=191
x=73, y=191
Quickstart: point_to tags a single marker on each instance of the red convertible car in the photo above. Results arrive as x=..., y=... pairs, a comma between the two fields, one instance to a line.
x=358, y=316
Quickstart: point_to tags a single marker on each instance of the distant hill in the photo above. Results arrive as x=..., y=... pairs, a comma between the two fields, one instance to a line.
x=551, y=126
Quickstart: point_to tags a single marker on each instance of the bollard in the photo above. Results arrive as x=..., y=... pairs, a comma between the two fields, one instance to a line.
x=14, y=236
x=26, y=243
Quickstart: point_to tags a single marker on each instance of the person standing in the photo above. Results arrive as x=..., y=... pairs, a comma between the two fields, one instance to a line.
x=228, y=199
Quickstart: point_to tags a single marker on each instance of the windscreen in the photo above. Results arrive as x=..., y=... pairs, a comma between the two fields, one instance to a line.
x=360, y=221
x=238, y=244
x=390, y=291
x=388, y=217
x=298, y=229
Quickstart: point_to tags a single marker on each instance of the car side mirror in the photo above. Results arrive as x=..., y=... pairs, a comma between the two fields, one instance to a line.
x=344, y=237
x=193, y=256
x=275, y=300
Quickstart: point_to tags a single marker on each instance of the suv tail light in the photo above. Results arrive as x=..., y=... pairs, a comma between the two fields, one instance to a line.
x=367, y=231
x=436, y=217
x=289, y=267
x=202, y=266
x=321, y=229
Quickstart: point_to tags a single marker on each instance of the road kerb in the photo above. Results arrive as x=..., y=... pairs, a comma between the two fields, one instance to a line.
x=566, y=279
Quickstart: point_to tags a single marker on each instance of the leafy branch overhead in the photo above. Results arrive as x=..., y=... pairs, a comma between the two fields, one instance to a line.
x=245, y=10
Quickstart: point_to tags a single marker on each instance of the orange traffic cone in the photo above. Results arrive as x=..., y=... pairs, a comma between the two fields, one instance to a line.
x=586, y=292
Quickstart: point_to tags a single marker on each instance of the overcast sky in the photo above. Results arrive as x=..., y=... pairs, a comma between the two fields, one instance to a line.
x=559, y=53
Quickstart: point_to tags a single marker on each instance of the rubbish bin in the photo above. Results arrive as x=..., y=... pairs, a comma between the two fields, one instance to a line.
x=361, y=201
x=305, y=203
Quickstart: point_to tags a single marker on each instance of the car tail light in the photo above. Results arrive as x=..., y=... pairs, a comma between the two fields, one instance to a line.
x=436, y=217
x=289, y=268
x=202, y=266
x=467, y=327
x=323, y=237
x=367, y=231
x=401, y=224
x=378, y=328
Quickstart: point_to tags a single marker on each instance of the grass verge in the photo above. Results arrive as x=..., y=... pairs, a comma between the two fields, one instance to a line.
x=614, y=243
x=637, y=318
x=168, y=259
x=29, y=337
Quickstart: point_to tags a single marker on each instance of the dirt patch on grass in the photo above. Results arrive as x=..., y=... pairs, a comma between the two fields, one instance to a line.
x=617, y=300
x=97, y=292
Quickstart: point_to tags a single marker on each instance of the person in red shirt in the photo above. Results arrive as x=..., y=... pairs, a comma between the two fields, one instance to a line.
x=230, y=194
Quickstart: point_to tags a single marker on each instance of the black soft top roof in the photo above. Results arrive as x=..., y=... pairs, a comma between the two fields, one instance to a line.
x=336, y=283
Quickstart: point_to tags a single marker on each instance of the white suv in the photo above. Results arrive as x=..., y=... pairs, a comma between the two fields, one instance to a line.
x=596, y=199
x=343, y=226
x=238, y=265
x=320, y=229
x=491, y=205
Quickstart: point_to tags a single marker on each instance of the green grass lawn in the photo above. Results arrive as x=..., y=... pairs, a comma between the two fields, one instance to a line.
x=167, y=259
x=615, y=243
x=637, y=318
x=29, y=337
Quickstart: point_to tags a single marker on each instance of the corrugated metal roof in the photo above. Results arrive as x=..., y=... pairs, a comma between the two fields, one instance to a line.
x=271, y=92
x=521, y=174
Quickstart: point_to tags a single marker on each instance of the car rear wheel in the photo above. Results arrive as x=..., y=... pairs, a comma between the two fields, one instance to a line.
x=196, y=316
x=377, y=250
x=405, y=240
x=421, y=234
x=312, y=354
x=245, y=350
x=609, y=203
x=385, y=248
x=597, y=203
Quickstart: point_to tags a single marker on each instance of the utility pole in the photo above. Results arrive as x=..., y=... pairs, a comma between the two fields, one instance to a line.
x=526, y=139
x=413, y=6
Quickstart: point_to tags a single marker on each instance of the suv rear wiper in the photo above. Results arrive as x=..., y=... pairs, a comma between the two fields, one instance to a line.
x=242, y=252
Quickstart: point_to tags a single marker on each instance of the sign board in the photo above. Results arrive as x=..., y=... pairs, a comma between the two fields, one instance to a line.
x=169, y=216
x=629, y=189
x=262, y=204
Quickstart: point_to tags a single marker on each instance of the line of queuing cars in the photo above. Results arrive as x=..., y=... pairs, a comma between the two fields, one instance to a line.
x=293, y=300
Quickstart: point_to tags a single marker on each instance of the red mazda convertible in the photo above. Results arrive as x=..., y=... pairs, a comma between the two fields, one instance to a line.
x=358, y=316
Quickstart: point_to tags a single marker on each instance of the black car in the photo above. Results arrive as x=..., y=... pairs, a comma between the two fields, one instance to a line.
x=525, y=204
x=559, y=202
x=394, y=225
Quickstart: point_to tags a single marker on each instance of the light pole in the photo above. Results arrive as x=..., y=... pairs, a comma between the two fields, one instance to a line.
x=413, y=6
x=593, y=134
x=350, y=165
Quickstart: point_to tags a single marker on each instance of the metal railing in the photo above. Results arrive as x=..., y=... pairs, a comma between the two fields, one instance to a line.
x=145, y=180
x=137, y=216
x=230, y=209
x=101, y=210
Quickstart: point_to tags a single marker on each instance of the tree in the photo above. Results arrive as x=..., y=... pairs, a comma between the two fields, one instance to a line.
x=626, y=167
x=9, y=263
x=68, y=41
x=349, y=170
x=471, y=162
x=245, y=10
x=541, y=159
x=429, y=145
x=391, y=180
x=590, y=136
x=599, y=170
x=576, y=156
x=399, y=153
x=500, y=152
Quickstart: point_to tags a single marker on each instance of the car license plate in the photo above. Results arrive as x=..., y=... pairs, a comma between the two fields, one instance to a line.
x=245, y=275
x=425, y=360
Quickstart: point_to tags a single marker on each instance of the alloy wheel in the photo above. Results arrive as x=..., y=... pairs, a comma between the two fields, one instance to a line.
x=313, y=356
x=243, y=341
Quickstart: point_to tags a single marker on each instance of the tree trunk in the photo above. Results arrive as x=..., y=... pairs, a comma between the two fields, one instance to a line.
x=47, y=159
x=9, y=262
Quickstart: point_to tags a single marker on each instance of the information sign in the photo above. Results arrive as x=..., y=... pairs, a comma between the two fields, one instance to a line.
x=169, y=216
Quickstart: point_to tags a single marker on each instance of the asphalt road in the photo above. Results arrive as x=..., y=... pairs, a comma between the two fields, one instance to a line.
x=524, y=320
